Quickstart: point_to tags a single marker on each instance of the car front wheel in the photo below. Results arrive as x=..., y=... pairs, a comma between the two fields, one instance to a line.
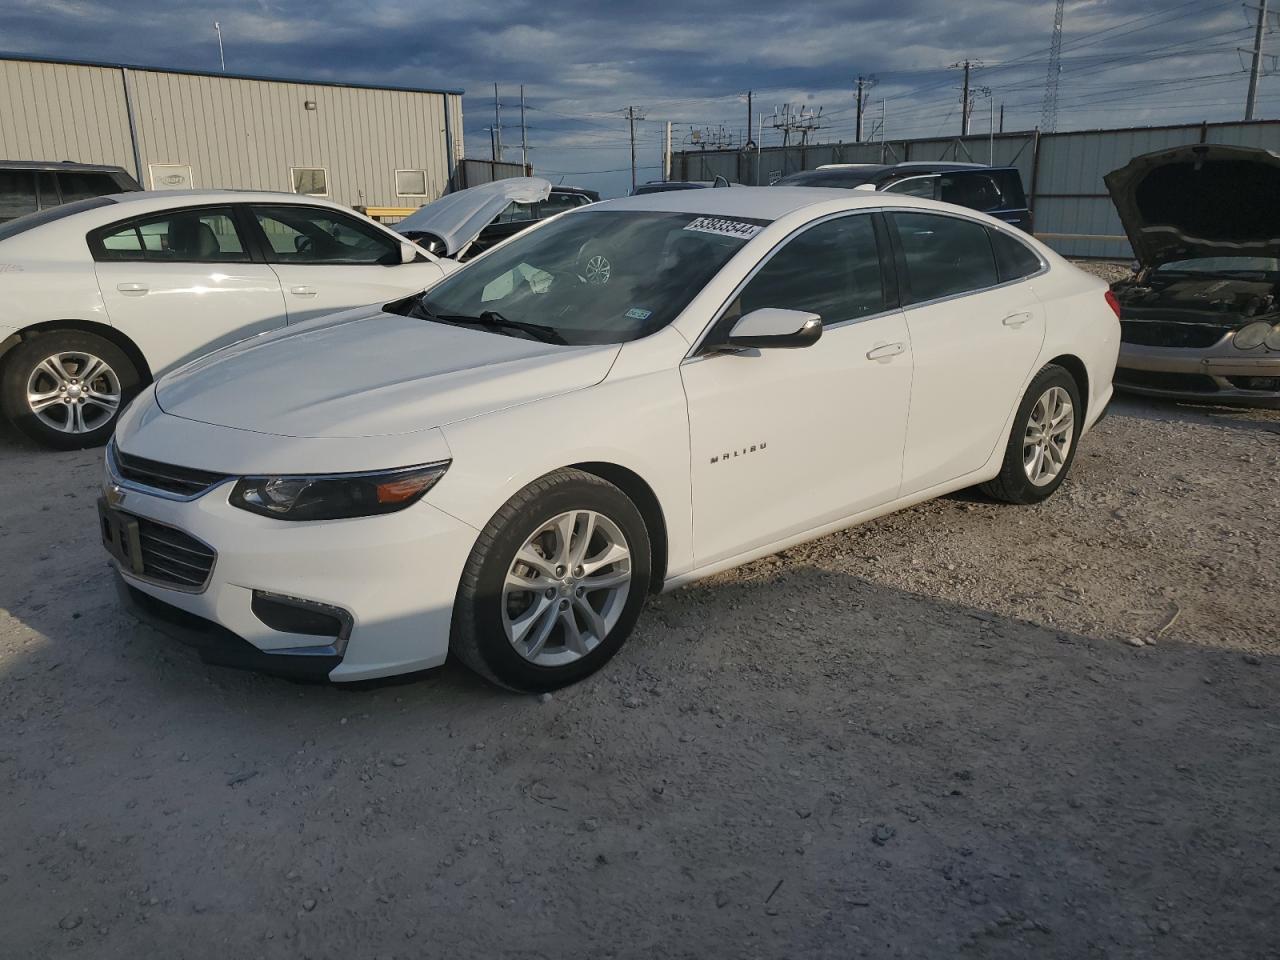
x=66, y=388
x=554, y=584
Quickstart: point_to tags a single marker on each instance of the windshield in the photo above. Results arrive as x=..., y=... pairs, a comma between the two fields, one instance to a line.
x=594, y=276
x=1255, y=265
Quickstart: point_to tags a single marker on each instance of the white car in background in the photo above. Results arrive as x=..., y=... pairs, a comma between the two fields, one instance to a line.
x=506, y=466
x=100, y=296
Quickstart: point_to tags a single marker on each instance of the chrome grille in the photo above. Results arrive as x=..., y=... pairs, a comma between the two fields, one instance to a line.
x=172, y=557
x=181, y=481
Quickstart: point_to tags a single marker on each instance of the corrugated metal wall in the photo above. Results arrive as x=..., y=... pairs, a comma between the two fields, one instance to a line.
x=50, y=111
x=233, y=132
x=1062, y=172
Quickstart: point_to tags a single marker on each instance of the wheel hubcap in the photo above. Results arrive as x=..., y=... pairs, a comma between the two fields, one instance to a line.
x=73, y=392
x=1047, y=441
x=566, y=588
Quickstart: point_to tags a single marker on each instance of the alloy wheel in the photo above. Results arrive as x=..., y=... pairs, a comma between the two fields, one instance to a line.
x=566, y=588
x=597, y=271
x=1048, y=437
x=73, y=392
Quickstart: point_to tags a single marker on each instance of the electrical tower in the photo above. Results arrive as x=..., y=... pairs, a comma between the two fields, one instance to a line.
x=803, y=121
x=1049, y=107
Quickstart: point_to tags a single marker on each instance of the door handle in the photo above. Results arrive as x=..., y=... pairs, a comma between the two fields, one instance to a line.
x=886, y=351
x=132, y=289
x=1016, y=320
x=303, y=291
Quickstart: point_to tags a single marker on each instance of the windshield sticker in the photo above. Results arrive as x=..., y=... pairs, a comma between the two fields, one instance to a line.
x=635, y=313
x=725, y=228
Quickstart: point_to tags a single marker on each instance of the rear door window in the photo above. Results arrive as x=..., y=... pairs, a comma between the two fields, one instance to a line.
x=17, y=193
x=977, y=191
x=206, y=235
x=78, y=185
x=944, y=255
x=926, y=187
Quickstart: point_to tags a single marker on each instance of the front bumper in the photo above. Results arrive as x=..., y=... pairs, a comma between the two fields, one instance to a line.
x=392, y=578
x=218, y=645
x=1216, y=374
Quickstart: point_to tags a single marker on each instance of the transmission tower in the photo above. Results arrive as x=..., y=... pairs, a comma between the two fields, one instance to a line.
x=1049, y=108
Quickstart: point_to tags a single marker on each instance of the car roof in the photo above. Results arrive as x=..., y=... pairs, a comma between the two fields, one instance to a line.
x=767, y=203
x=60, y=165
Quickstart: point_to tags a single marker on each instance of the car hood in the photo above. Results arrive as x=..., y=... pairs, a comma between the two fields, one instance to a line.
x=457, y=218
x=1202, y=200
x=367, y=373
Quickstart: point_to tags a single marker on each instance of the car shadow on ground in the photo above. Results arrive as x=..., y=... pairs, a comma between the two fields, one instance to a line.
x=798, y=761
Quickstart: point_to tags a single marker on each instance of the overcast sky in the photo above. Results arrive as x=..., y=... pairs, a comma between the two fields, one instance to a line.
x=1125, y=62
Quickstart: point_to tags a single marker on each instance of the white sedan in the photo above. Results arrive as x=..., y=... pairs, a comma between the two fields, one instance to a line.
x=506, y=466
x=101, y=296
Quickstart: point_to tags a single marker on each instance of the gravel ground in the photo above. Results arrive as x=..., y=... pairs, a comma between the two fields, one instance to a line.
x=964, y=730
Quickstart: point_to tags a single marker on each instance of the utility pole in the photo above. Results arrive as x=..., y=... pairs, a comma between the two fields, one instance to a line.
x=1256, y=69
x=966, y=104
x=497, y=126
x=666, y=156
x=524, y=135
x=1002, y=116
x=748, y=143
x=863, y=85
x=217, y=28
x=633, y=114
x=1049, y=106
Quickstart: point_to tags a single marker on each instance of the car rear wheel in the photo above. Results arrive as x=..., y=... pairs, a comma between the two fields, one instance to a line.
x=65, y=389
x=1042, y=444
x=554, y=584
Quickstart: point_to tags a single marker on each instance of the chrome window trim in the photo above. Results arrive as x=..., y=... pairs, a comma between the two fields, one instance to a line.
x=696, y=351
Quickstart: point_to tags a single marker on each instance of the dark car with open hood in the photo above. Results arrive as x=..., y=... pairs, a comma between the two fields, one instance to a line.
x=1200, y=317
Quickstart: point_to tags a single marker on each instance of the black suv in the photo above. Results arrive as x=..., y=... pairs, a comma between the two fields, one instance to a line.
x=993, y=190
x=27, y=186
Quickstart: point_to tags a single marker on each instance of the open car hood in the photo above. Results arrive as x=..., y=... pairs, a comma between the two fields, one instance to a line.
x=457, y=218
x=1201, y=200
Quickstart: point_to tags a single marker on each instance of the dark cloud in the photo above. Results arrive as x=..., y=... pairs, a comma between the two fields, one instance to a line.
x=582, y=62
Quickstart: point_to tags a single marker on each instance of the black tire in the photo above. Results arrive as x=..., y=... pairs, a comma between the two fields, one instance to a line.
x=479, y=638
x=1011, y=484
x=21, y=363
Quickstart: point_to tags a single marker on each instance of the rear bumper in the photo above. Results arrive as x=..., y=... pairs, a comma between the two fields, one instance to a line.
x=217, y=645
x=1217, y=374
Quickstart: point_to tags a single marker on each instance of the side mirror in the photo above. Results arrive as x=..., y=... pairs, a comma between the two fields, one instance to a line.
x=771, y=327
x=408, y=252
x=868, y=187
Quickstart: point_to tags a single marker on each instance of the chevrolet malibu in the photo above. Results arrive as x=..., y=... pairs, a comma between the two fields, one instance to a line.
x=504, y=467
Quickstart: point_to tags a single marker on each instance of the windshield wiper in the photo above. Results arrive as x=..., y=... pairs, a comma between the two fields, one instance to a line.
x=491, y=320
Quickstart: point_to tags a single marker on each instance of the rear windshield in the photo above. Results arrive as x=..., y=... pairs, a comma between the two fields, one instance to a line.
x=33, y=220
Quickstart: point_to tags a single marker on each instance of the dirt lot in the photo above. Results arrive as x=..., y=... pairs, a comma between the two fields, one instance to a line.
x=933, y=736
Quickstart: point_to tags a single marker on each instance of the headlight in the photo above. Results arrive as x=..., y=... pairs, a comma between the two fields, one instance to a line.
x=1252, y=335
x=1273, y=338
x=338, y=496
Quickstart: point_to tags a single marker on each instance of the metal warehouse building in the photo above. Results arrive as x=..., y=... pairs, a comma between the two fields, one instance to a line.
x=178, y=129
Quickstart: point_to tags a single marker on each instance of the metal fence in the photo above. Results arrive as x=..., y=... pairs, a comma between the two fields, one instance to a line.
x=1062, y=172
x=472, y=173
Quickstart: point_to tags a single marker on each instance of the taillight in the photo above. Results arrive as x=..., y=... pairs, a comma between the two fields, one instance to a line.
x=1113, y=303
